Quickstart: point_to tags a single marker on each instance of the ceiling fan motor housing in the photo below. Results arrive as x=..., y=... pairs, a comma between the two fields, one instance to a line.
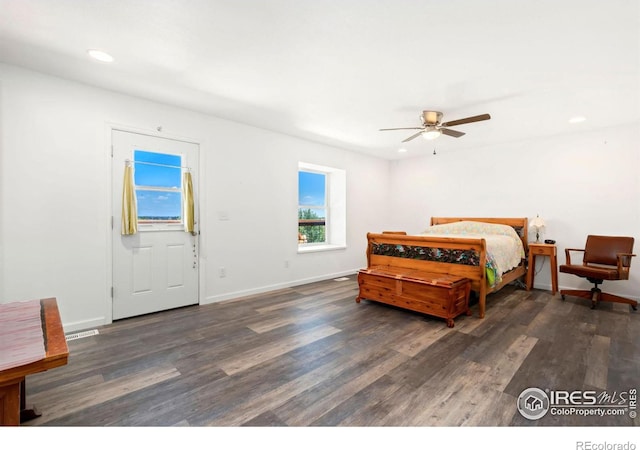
x=431, y=117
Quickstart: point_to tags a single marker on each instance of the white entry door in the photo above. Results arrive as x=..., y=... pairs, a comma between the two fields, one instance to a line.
x=156, y=268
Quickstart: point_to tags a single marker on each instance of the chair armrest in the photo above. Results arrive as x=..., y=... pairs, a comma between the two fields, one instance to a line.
x=624, y=260
x=568, y=255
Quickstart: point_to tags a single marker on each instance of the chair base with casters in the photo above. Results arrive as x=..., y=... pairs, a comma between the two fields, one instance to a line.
x=596, y=295
x=605, y=258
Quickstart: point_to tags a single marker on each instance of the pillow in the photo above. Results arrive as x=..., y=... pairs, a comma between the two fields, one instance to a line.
x=470, y=227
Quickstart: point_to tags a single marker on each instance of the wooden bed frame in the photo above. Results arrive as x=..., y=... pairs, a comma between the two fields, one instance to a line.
x=477, y=274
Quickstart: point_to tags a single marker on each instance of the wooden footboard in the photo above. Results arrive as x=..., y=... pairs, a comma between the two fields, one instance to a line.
x=382, y=250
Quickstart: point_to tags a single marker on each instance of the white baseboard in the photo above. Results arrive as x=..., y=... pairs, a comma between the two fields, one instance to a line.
x=84, y=324
x=274, y=287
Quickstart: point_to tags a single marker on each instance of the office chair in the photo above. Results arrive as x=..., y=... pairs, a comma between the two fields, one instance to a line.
x=604, y=258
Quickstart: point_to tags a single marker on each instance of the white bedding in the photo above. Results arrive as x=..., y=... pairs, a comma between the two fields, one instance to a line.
x=504, y=247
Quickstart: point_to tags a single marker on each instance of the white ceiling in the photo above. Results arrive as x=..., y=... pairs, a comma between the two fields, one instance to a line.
x=336, y=71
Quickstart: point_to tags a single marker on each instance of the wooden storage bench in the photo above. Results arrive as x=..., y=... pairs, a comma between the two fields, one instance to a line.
x=440, y=295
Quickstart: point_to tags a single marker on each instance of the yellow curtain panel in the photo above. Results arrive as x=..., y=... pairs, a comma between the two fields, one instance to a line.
x=129, y=209
x=188, y=214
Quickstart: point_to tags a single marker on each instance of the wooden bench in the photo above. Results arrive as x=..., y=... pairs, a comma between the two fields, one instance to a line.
x=436, y=294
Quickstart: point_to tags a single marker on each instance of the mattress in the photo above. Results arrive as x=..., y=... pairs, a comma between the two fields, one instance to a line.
x=505, y=250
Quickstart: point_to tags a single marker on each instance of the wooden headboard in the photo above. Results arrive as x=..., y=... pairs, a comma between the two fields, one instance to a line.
x=520, y=224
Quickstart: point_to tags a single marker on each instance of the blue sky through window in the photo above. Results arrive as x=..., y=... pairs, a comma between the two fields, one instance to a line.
x=158, y=204
x=311, y=190
x=157, y=176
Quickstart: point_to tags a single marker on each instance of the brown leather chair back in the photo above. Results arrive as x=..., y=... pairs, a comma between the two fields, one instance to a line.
x=604, y=249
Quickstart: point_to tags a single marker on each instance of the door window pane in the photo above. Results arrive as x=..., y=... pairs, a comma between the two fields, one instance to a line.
x=159, y=205
x=158, y=182
x=160, y=170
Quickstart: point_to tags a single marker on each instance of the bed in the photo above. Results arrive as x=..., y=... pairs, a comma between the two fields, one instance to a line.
x=459, y=246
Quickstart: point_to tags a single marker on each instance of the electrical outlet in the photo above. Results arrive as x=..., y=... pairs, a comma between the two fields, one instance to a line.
x=286, y=264
x=222, y=272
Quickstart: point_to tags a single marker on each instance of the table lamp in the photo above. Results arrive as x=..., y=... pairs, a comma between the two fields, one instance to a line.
x=538, y=224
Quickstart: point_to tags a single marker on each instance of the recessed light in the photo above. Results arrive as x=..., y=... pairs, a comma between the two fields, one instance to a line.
x=100, y=55
x=402, y=150
x=577, y=119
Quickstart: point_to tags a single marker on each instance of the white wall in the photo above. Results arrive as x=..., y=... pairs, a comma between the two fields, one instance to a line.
x=55, y=192
x=55, y=195
x=579, y=184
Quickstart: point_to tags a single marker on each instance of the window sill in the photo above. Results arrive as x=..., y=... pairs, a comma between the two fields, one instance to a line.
x=320, y=248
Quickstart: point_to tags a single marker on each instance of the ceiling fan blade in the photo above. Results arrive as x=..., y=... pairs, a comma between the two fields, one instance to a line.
x=452, y=133
x=409, y=128
x=466, y=120
x=413, y=137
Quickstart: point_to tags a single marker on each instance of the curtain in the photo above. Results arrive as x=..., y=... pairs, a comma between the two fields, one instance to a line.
x=188, y=213
x=129, y=209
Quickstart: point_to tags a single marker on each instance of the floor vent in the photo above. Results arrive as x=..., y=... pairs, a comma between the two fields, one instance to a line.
x=80, y=335
x=341, y=279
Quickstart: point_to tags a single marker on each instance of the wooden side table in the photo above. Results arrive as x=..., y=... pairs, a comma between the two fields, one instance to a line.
x=549, y=250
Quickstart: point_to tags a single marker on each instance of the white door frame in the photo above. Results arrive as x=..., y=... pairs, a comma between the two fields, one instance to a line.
x=199, y=204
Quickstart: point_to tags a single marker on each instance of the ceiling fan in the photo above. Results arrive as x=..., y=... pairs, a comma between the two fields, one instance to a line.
x=432, y=125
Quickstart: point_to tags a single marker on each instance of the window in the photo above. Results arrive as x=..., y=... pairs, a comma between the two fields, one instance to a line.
x=321, y=207
x=312, y=207
x=158, y=186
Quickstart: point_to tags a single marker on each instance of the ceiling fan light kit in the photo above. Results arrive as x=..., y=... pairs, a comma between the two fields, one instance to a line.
x=431, y=134
x=432, y=125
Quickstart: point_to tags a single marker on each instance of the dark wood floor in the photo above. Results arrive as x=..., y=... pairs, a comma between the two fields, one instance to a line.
x=311, y=356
